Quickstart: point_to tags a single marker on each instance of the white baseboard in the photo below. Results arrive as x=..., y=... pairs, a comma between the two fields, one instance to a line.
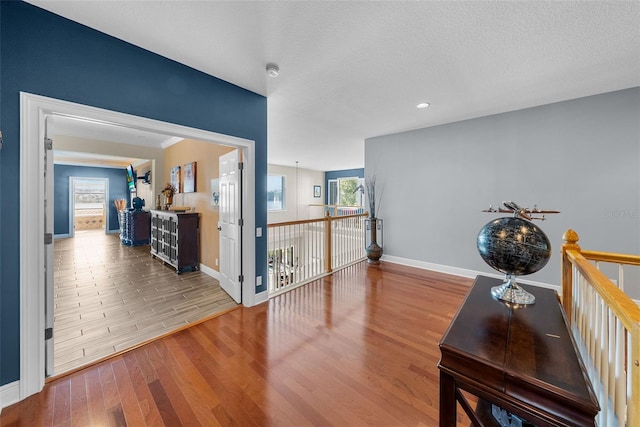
x=462, y=272
x=261, y=297
x=210, y=271
x=9, y=394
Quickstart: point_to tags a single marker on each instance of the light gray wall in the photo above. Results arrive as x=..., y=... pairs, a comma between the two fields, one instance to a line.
x=581, y=157
x=298, y=194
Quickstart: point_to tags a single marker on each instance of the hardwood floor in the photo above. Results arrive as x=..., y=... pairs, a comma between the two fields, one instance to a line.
x=109, y=297
x=356, y=348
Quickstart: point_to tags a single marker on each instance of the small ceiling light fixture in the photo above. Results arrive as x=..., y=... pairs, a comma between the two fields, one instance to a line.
x=272, y=69
x=423, y=105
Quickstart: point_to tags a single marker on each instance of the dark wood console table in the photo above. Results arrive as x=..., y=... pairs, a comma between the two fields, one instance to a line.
x=523, y=360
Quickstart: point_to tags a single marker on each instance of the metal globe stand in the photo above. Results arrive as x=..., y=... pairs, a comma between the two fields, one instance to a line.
x=512, y=293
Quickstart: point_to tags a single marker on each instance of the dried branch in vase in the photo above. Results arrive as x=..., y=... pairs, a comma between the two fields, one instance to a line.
x=370, y=184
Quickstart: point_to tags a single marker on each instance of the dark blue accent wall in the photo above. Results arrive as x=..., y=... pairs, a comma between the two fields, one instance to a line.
x=45, y=54
x=117, y=190
x=345, y=173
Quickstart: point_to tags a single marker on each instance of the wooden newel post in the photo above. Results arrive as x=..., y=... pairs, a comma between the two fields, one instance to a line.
x=327, y=244
x=570, y=243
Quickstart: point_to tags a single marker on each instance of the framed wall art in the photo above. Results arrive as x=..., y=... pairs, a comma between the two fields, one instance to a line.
x=189, y=171
x=175, y=178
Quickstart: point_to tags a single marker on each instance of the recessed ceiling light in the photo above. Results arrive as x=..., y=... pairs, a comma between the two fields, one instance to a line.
x=423, y=105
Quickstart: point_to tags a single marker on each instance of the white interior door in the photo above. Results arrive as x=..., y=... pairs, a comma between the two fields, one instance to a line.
x=230, y=225
x=48, y=252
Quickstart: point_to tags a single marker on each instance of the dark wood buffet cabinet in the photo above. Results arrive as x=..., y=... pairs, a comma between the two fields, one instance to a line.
x=175, y=239
x=523, y=361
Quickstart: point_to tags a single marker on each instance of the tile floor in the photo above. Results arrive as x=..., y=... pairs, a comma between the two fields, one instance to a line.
x=109, y=297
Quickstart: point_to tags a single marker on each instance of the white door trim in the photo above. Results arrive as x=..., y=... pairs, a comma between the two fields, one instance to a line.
x=33, y=110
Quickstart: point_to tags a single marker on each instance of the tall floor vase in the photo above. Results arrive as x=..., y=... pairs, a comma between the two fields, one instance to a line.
x=373, y=239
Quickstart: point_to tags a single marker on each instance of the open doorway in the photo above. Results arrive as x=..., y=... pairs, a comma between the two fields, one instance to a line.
x=88, y=199
x=33, y=281
x=109, y=292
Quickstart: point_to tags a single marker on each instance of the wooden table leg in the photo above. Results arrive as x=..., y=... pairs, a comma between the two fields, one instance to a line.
x=447, y=400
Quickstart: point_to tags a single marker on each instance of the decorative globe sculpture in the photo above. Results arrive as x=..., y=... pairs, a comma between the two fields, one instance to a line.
x=515, y=247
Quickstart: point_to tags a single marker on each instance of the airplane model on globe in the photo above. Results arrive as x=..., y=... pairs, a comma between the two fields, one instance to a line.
x=517, y=211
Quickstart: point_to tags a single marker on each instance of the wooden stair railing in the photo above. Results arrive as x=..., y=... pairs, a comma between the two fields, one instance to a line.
x=606, y=325
x=340, y=210
x=302, y=251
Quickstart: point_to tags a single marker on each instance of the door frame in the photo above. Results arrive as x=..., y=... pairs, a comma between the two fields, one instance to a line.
x=33, y=111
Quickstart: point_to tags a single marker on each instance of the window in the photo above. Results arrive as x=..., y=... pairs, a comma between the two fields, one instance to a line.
x=275, y=193
x=346, y=192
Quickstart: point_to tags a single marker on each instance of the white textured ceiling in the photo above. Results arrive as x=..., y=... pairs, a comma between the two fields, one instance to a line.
x=353, y=70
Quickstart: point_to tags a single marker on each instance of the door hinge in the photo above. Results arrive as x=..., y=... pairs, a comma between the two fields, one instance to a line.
x=48, y=144
x=240, y=165
x=48, y=333
x=241, y=278
x=48, y=238
x=241, y=222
